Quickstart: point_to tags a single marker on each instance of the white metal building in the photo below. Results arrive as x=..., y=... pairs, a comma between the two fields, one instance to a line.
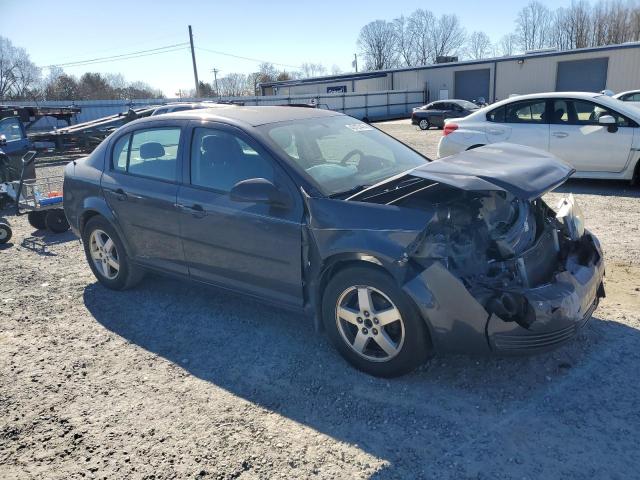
x=614, y=67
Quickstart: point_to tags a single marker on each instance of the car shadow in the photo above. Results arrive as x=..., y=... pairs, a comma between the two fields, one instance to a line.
x=609, y=188
x=420, y=423
x=41, y=240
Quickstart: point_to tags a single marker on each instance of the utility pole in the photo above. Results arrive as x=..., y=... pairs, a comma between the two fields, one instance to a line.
x=193, y=57
x=355, y=61
x=215, y=80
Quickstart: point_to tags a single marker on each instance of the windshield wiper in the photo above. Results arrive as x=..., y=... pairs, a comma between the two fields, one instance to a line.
x=351, y=191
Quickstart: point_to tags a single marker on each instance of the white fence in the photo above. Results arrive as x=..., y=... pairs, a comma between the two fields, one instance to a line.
x=366, y=105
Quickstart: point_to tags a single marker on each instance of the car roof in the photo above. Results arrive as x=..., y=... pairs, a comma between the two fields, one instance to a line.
x=533, y=96
x=250, y=115
x=624, y=93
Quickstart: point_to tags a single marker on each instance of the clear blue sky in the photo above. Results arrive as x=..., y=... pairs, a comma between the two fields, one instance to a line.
x=288, y=32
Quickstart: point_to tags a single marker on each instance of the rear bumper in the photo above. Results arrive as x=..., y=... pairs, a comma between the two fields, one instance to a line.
x=448, y=146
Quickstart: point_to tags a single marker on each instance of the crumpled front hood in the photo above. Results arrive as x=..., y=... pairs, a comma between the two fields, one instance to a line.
x=525, y=172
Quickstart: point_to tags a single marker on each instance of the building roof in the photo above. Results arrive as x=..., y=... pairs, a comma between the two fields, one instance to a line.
x=382, y=73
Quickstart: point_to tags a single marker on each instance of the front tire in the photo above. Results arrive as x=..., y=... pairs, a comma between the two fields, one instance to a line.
x=107, y=257
x=424, y=124
x=372, y=322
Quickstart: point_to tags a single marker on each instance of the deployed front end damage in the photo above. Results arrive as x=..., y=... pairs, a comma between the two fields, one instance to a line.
x=490, y=266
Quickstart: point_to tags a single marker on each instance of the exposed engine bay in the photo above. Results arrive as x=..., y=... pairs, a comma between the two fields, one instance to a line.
x=498, y=245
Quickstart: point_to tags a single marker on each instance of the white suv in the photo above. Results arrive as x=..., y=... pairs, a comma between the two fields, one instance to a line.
x=596, y=134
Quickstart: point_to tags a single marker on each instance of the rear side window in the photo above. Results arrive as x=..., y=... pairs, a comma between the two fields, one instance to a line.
x=525, y=112
x=149, y=153
x=496, y=115
x=631, y=97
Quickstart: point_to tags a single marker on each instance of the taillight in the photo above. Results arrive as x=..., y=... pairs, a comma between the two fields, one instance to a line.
x=449, y=128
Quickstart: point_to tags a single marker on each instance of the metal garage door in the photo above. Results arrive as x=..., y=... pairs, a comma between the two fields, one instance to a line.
x=472, y=84
x=582, y=75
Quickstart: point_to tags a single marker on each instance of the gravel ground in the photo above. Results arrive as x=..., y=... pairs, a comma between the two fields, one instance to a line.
x=179, y=381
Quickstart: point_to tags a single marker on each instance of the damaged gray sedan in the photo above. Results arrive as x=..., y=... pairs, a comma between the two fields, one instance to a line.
x=395, y=257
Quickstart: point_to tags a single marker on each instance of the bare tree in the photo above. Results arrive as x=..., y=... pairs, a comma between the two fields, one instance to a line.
x=335, y=70
x=376, y=43
x=447, y=37
x=508, y=45
x=312, y=70
x=19, y=76
x=532, y=26
x=233, y=85
x=404, y=41
x=420, y=27
x=479, y=46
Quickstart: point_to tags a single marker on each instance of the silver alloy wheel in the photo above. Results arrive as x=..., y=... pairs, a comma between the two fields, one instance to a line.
x=424, y=124
x=4, y=233
x=370, y=323
x=104, y=254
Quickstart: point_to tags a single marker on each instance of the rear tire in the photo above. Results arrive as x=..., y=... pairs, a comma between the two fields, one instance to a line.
x=5, y=233
x=373, y=323
x=56, y=221
x=37, y=219
x=107, y=257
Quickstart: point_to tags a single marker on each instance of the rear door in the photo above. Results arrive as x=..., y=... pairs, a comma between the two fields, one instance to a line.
x=140, y=185
x=249, y=247
x=17, y=145
x=523, y=123
x=579, y=139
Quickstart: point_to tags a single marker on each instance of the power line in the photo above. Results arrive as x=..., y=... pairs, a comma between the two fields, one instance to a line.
x=124, y=56
x=247, y=58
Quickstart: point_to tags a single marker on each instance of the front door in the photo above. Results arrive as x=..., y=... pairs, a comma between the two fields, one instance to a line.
x=578, y=139
x=249, y=247
x=141, y=188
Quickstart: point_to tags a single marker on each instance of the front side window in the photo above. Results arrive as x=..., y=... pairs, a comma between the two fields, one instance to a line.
x=589, y=113
x=149, y=153
x=562, y=112
x=220, y=159
x=340, y=153
x=11, y=129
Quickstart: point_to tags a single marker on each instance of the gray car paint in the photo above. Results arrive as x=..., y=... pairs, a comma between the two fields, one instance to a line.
x=333, y=231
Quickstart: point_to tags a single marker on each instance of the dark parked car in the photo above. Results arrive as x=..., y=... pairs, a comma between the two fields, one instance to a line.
x=393, y=255
x=435, y=113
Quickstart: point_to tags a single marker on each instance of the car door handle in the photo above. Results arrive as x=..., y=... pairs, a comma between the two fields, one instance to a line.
x=119, y=194
x=495, y=131
x=560, y=134
x=195, y=210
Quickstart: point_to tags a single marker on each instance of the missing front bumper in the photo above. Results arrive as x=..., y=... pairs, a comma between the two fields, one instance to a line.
x=458, y=322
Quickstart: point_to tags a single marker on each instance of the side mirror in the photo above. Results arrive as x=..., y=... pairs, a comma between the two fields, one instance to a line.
x=609, y=122
x=606, y=120
x=258, y=190
x=3, y=141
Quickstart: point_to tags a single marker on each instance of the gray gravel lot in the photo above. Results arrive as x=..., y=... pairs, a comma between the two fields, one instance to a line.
x=178, y=381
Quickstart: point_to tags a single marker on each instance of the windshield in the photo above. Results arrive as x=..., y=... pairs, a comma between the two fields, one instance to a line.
x=342, y=154
x=467, y=105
